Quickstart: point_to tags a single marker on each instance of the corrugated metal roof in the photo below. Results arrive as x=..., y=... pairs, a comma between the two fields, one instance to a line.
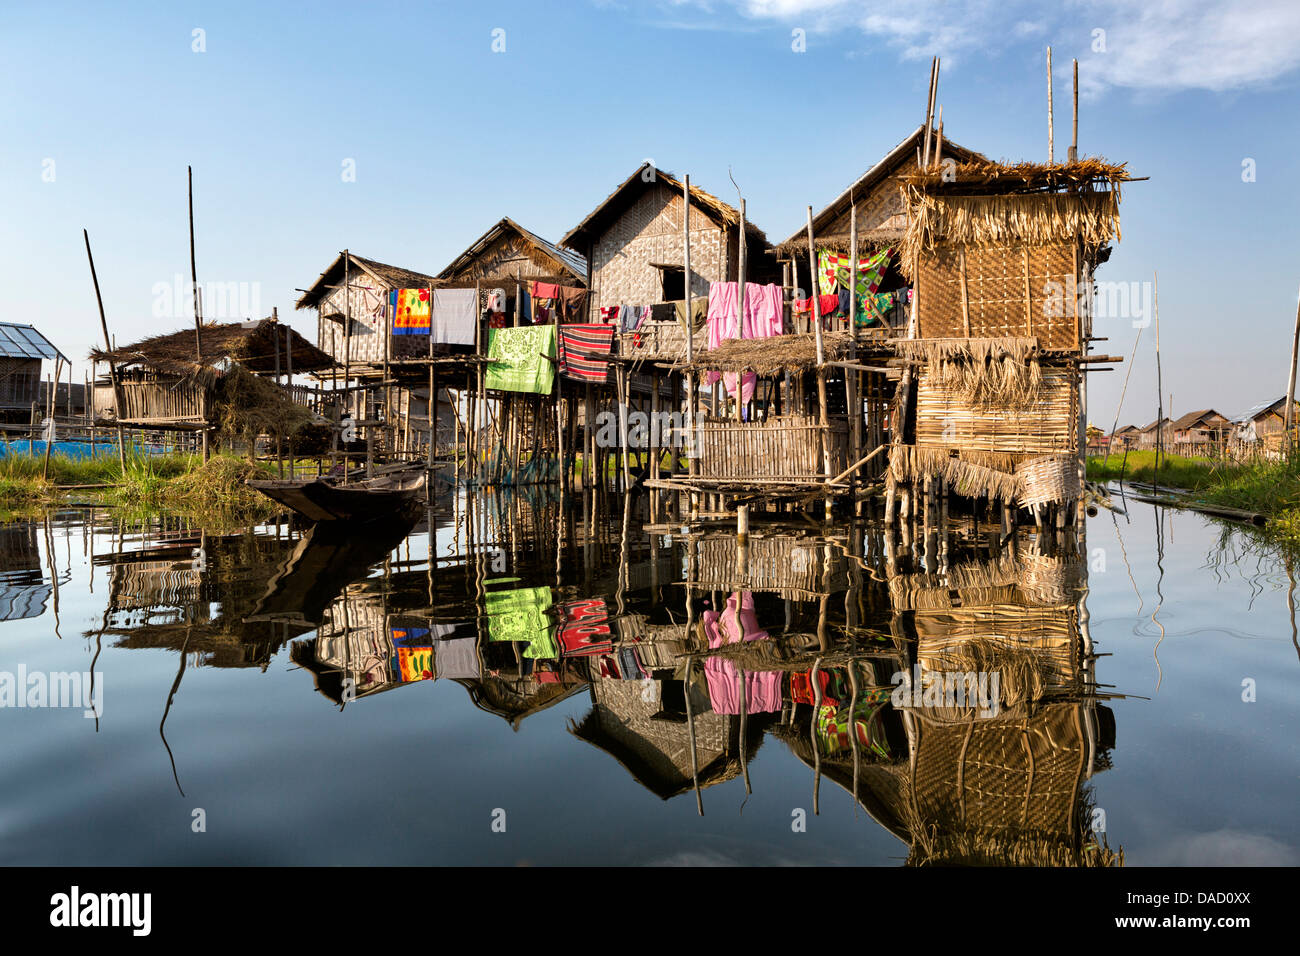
x=23, y=341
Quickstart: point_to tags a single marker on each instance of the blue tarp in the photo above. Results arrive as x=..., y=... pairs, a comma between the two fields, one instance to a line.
x=67, y=449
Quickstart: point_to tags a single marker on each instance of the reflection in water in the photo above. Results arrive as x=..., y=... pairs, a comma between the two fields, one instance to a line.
x=949, y=688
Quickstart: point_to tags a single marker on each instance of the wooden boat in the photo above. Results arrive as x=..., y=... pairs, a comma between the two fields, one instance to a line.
x=329, y=557
x=327, y=498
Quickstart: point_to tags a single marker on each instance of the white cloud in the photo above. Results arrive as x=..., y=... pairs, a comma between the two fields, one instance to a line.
x=1174, y=45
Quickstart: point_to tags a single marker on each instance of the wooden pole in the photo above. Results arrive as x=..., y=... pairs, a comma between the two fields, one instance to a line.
x=1051, y=146
x=347, y=347
x=108, y=346
x=929, y=112
x=692, y=393
x=1074, y=134
x=816, y=305
x=194, y=276
x=1160, y=395
x=1289, y=418
x=740, y=306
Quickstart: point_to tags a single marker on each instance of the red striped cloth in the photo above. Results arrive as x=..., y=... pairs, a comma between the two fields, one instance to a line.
x=582, y=348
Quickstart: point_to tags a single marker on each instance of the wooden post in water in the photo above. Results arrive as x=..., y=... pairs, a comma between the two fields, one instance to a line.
x=740, y=307
x=108, y=346
x=824, y=416
x=692, y=393
x=1289, y=418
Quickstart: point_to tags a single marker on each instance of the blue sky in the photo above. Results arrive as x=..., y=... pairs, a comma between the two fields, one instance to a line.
x=105, y=105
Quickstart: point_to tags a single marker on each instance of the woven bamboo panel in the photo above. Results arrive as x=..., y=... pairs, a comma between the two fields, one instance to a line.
x=1046, y=425
x=656, y=340
x=999, y=776
x=1010, y=290
x=785, y=563
x=787, y=448
x=1051, y=478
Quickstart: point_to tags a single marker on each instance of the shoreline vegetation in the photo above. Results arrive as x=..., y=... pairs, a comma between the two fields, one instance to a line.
x=177, y=483
x=1270, y=488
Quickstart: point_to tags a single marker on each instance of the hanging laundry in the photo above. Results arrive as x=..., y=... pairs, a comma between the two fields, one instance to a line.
x=738, y=622
x=545, y=290
x=629, y=663
x=521, y=359
x=496, y=301
x=663, y=312
x=833, y=271
x=699, y=313
x=875, y=309
x=458, y=658
x=763, y=312
x=519, y=615
x=609, y=313
x=525, y=307
x=630, y=317
x=584, y=628
x=455, y=316
x=411, y=311
x=572, y=299
x=581, y=351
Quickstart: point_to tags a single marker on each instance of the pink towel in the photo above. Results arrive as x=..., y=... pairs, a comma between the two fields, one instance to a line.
x=738, y=622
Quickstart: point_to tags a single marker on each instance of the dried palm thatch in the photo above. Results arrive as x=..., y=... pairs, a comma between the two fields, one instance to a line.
x=1035, y=219
x=985, y=373
x=248, y=406
x=1089, y=172
x=251, y=344
x=969, y=473
x=772, y=356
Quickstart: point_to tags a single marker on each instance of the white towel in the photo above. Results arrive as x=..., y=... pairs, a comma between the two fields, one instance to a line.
x=455, y=316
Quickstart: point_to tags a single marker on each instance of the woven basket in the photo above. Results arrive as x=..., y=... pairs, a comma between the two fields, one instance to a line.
x=1048, y=480
x=1051, y=581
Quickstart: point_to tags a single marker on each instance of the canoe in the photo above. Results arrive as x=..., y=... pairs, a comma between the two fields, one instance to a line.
x=329, y=557
x=329, y=499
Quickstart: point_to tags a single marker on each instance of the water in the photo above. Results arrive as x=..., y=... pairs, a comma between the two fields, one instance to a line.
x=262, y=700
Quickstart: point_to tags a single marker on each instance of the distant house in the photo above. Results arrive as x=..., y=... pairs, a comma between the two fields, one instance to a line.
x=1146, y=438
x=509, y=251
x=1263, y=425
x=633, y=244
x=363, y=304
x=1126, y=438
x=22, y=350
x=1200, y=431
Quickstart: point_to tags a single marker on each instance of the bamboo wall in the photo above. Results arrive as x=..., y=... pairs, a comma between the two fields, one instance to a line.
x=650, y=230
x=160, y=403
x=1048, y=424
x=1000, y=291
x=786, y=448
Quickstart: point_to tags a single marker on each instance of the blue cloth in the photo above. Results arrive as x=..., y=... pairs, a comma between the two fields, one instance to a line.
x=68, y=449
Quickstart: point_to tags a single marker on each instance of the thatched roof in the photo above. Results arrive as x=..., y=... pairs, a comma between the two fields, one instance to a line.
x=870, y=240
x=251, y=344
x=568, y=264
x=616, y=202
x=1192, y=419
x=773, y=355
x=1001, y=178
x=1008, y=218
x=391, y=277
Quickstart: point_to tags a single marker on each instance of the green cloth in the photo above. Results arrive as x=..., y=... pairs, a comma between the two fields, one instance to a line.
x=699, y=313
x=520, y=616
x=517, y=363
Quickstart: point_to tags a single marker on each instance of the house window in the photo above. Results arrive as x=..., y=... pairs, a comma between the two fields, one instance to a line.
x=674, y=283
